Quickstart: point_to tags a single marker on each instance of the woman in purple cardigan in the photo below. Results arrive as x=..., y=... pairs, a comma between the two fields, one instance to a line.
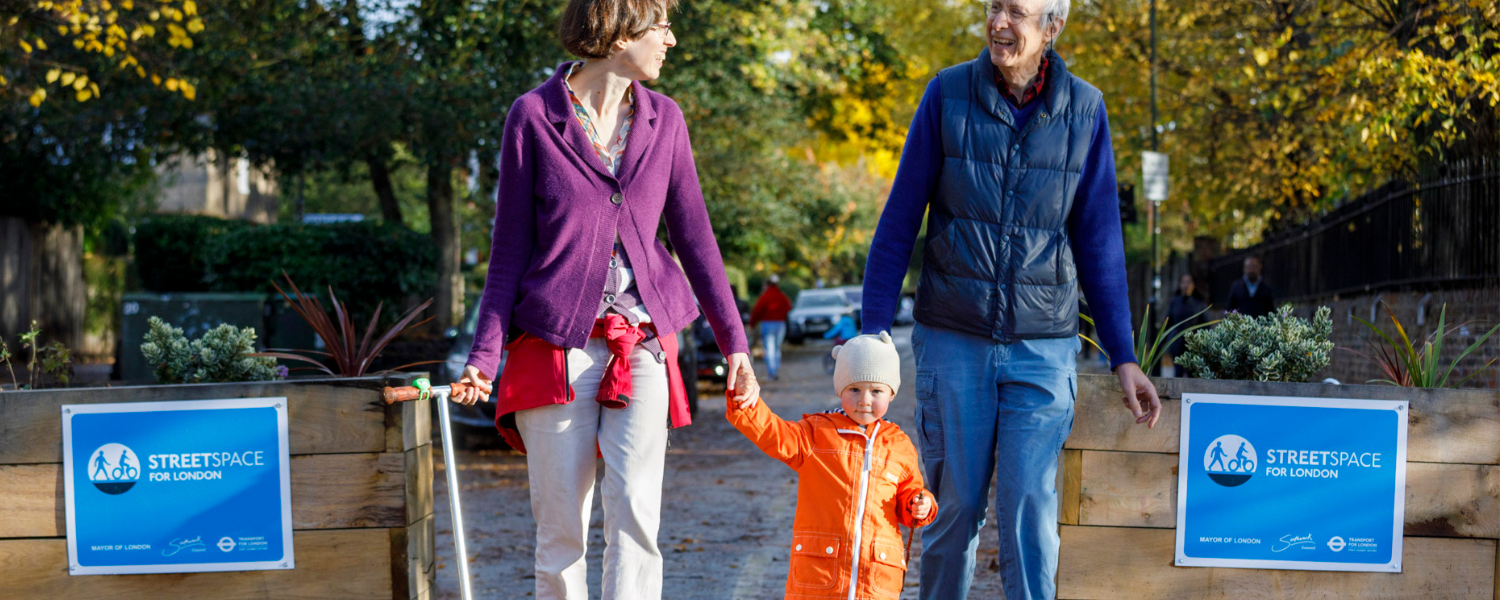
x=587, y=300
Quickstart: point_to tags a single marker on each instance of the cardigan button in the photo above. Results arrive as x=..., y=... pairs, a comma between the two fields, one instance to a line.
x=661, y=356
x=616, y=198
x=614, y=263
x=609, y=298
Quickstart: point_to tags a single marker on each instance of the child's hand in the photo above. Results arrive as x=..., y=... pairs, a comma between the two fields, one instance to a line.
x=729, y=394
x=920, y=506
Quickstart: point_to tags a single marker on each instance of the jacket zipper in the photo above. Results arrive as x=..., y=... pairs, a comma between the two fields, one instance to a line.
x=859, y=514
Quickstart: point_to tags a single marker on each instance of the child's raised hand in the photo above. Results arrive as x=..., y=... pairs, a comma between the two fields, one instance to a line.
x=920, y=506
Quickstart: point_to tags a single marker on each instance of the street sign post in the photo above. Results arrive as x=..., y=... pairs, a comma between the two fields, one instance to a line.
x=1291, y=483
x=1154, y=175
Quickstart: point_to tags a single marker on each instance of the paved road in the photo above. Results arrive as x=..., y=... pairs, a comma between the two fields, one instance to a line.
x=727, y=511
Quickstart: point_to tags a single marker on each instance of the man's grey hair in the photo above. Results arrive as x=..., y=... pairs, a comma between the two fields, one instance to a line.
x=1055, y=10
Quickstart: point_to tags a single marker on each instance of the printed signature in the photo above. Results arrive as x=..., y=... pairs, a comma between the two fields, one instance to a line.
x=180, y=544
x=1288, y=542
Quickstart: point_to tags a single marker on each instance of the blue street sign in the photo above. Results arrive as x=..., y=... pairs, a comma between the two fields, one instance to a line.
x=1291, y=483
x=177, y=487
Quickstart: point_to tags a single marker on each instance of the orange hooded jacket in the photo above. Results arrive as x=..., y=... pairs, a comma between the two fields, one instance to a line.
x=852, y=491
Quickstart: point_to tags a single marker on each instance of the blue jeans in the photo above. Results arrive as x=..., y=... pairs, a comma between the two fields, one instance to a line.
x=977, y=397
x=772, y=333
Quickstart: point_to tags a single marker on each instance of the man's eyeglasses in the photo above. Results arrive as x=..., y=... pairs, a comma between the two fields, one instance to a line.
x=1014, y=13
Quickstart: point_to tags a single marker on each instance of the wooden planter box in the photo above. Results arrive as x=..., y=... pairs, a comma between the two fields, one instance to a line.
x=1119, y=500
x=361, y=485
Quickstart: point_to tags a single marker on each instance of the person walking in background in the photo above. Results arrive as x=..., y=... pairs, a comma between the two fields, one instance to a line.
x=1184, y=312
x=1009, y=156
x=1251, y=295
x=591, y=161
x=770, y=312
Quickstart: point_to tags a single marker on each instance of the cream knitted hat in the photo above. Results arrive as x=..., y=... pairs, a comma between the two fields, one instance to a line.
x=870, y=358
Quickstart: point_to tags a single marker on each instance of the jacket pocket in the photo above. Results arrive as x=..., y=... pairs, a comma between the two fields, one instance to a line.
x=887, y=568
x=815, y=560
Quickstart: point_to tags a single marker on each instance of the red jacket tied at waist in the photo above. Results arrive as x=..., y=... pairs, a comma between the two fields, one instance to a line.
x=536, y=375
x=615, y=390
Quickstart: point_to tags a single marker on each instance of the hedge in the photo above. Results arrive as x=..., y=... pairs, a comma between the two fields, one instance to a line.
x=170, y=250
x=366, y=262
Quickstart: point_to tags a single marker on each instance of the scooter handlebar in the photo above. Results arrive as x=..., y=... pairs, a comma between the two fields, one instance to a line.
x=408, y=393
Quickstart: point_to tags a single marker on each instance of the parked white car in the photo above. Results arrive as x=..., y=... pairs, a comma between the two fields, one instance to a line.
x=815, y=312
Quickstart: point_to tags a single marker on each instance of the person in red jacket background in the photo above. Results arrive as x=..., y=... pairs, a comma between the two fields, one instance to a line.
x=770, y=311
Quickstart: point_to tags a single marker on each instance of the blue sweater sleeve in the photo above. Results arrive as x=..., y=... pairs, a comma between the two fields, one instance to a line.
x=1099, y=246
x=896, y=234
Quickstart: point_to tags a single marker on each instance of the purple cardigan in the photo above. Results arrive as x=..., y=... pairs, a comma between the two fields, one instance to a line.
x=558, y=211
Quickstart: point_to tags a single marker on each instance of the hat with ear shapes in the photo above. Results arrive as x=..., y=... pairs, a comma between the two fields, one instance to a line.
x=867, y=358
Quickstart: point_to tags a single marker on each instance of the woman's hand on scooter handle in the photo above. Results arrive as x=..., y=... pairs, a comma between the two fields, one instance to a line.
x=478, y=390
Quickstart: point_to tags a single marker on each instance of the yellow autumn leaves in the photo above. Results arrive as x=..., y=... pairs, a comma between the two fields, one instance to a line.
x=114, y=29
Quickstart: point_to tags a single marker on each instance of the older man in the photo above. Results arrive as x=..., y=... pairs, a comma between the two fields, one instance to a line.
x=1011, y=157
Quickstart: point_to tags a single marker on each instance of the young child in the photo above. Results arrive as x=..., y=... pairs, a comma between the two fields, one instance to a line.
x=857, y=478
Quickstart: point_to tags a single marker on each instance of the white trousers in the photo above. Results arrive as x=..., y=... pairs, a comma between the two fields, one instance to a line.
x=560, y=444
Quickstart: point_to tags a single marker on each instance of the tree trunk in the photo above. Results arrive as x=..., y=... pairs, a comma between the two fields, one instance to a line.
x=380, y=178
x=41, y=275
x=449, y=295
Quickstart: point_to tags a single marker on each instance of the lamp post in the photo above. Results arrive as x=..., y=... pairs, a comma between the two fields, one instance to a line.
x=1155, y=204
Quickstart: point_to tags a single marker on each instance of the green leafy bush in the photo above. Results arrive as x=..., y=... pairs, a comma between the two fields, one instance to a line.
x=1275, y=347
x=365, y=262
x=170, y=250
x=221, y=355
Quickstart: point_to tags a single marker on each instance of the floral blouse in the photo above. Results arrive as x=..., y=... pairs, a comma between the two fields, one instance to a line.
x=609, y=153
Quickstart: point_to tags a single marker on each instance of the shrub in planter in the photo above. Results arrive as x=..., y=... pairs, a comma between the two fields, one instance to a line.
x=170, y=250
x=1275, y=347
x=366, y=262
x=222, y=355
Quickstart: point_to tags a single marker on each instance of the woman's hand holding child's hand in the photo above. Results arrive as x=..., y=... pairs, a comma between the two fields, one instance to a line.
x=920, y=506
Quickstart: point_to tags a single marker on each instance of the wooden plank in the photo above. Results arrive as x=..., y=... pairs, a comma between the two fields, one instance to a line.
x=1101, y=422
x=325, y=416
x=334, y=564
x=1136, y=489
x=329, y=491
x=408, y=425
x=1108, y=563
x=1128, y=488
x=412, y=559
x=418, y=483
x=1445, y=426
x=32, y=497
x=1072, y=482
x=1452, y=500
x=340, y=491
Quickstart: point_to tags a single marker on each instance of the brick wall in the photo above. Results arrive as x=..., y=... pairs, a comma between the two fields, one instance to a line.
x=1479, y=308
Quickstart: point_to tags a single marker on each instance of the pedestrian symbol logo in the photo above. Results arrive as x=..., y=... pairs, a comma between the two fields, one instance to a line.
x=1230, y=460
x=114, y=469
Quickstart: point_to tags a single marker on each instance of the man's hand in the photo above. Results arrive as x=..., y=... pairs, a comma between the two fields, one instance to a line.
x=1140, y=394
x=742, y=378
x=920, y=506
x=478, y=388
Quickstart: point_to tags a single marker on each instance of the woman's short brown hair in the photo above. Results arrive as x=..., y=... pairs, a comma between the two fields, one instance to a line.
x=590, y=28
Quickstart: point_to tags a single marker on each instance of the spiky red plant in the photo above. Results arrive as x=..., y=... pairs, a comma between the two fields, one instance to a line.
x=338, y=333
